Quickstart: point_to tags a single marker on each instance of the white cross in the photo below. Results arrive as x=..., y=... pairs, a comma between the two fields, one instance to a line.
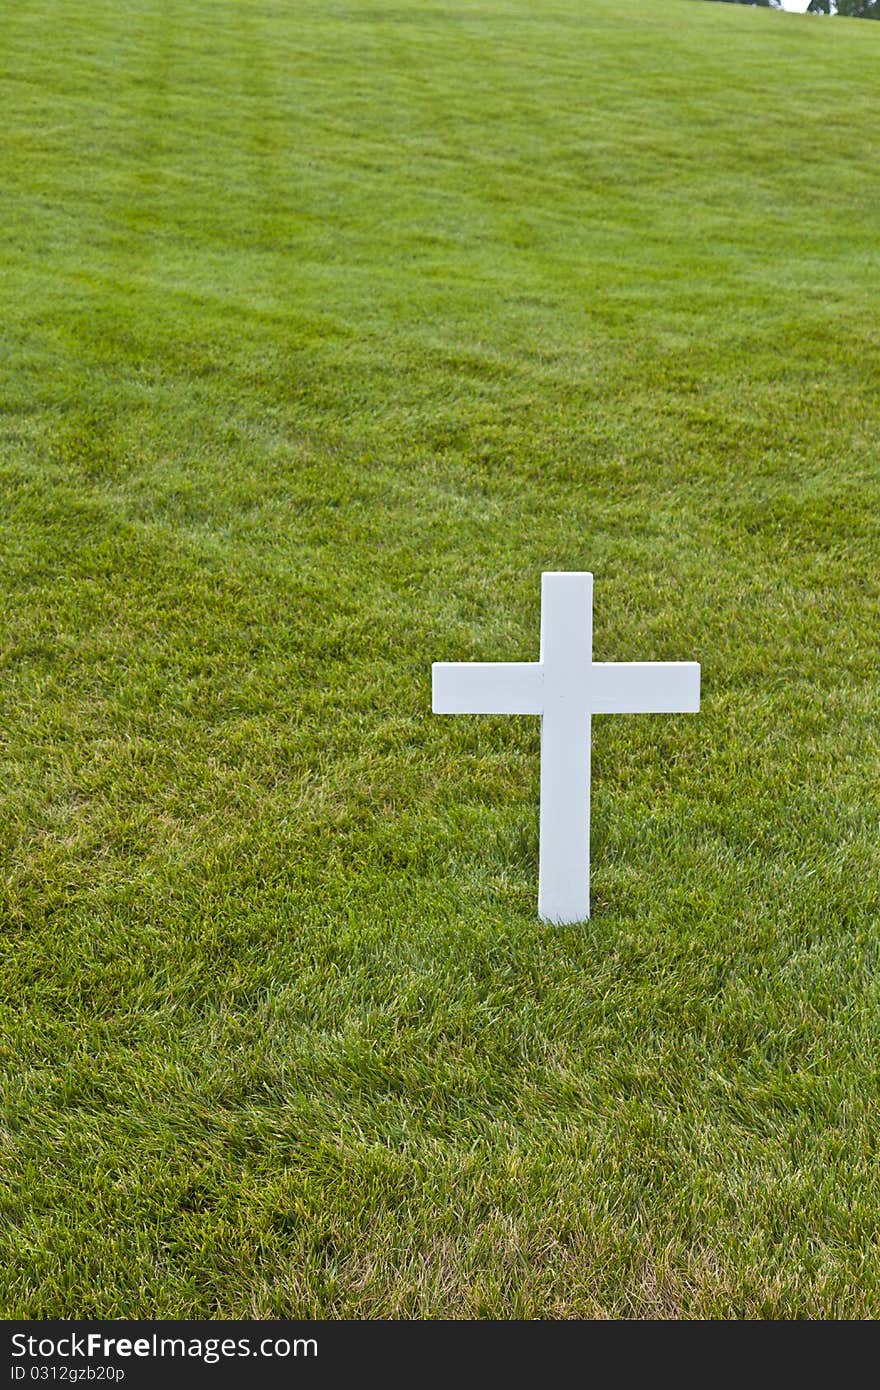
x=566, y=687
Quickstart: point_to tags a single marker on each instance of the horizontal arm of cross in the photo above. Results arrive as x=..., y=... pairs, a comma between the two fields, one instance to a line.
x=614, y=687
x=497, y=687
x=645, y=687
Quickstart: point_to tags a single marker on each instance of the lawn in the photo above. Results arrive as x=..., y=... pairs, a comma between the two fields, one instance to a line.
x=325, y=328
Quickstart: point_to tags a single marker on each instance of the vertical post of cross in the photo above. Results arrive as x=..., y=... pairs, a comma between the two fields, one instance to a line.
x=566, y=658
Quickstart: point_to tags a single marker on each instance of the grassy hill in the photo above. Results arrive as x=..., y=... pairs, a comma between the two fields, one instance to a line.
x=325, y=328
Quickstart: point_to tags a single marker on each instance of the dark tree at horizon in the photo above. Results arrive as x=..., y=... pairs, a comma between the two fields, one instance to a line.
x=852, y=9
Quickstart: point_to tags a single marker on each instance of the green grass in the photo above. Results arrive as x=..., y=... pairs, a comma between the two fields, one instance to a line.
x=325, y=328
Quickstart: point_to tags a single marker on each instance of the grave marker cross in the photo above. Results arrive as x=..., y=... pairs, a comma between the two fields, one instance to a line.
x=566, y=687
